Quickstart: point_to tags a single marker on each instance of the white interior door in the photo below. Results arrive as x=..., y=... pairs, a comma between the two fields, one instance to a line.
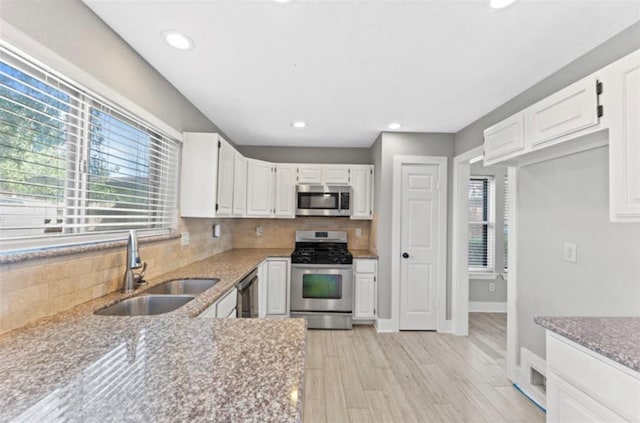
x=419, y=234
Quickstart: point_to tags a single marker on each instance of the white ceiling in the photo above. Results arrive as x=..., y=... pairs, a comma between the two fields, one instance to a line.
x=349, y=68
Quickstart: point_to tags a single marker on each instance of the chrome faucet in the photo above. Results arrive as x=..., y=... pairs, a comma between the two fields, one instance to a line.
x=133, y=280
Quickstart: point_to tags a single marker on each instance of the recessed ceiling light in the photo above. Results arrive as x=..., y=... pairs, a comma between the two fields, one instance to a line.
x=177, y=40
x=394, y=126
x=299, y=124
x=500, y=4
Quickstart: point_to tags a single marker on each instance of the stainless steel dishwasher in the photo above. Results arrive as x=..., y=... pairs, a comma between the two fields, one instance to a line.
x=247, y=306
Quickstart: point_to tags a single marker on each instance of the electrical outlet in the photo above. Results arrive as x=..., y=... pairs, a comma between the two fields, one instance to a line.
x=570, y=252
x=258, y=230
x=184, y=240
x=492, y=286
x=358, y=232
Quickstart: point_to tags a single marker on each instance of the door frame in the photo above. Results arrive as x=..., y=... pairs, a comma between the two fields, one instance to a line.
x=459, y=255
x=441, y=285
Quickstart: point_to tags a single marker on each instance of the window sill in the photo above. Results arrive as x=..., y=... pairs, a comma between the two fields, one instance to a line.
x=486, y=275
x=20, y=256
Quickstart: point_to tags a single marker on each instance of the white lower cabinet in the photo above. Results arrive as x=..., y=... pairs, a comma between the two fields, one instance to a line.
x=225, y=307
x=274, y=275
x=583, y=386
x=365, y=277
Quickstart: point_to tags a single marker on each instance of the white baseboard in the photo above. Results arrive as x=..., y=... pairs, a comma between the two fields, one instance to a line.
x=528, y=361
x=447, y=327
x=385, y=325
x=487, y=307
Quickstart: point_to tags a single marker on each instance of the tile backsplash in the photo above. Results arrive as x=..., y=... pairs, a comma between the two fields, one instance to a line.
x=280, y=233
x=32, y=289
x=37, y=288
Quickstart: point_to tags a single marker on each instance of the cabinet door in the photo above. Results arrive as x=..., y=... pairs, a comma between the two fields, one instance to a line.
x=199, y=175
x=240, y=185
x=336, y=175
x=309, y=174
x=226, y=160
x=569, y=110
x=504, y=138
x=285, y=191
x=362, y=192
x=259, y=188
x=568, y=404
x=365, y=296
x=277, y=284
x=622, y=109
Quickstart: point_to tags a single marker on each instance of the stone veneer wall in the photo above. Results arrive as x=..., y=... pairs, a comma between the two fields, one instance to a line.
x=280, y=233
x=36, y=288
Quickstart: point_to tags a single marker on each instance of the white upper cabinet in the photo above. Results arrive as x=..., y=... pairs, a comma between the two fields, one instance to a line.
x=239, y=185
x=285, y=191
x=323, y=174
x=336, y=175
x=199, y=175
x=621, y=94
x=550, y=128
x=362, y=192
x=310, y=174
x=504, y=138
x=567, y=111
x=259, y=188
x=226, y=161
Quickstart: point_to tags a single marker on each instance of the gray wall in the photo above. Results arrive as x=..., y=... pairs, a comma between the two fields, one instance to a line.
x=307, y=154
x=479, y=288
x=74, y=32
x=618, y=46
x=567, y=200
x=393, y=144
x=555, y=206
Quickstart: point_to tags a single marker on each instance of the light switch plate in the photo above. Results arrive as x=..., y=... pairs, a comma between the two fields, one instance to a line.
x=570, y=254
x=184, y=240
x=258, y=230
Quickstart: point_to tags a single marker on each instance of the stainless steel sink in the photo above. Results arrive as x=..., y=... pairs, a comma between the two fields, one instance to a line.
x=183, y=287
x=146, y=305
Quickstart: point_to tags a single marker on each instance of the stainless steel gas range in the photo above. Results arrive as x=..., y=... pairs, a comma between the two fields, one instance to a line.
x=322, y=279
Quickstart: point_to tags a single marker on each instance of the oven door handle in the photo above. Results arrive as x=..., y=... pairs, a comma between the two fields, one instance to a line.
x=321, y=266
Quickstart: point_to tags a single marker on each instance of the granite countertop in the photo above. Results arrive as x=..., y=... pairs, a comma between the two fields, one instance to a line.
x=617, y=338
x=363, y=254
x=171, y=367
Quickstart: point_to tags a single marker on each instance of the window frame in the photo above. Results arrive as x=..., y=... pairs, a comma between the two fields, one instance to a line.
x=91, y=99
x=489, y=202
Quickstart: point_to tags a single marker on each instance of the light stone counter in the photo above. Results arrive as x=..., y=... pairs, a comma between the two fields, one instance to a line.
x=84, y=367
x=617, y=338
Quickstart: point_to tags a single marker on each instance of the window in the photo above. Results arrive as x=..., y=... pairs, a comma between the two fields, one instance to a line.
x=74, y=168
x=481, y=223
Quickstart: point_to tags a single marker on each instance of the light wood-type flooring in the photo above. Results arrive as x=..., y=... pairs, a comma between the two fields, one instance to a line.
x=365, y=376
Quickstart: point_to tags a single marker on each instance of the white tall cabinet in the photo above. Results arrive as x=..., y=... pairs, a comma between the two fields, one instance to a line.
x=362, y=192
x=285, y=191
x=259, y=188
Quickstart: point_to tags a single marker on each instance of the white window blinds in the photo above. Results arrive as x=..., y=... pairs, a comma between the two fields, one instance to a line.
x=74, y=168
x=481, y=223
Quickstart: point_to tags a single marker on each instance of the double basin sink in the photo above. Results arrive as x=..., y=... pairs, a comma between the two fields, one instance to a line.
x=162, y=298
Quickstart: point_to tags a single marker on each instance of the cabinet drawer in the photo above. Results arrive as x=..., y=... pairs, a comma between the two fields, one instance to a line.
x=226, y=305
x=365, y=266
x=595, y=375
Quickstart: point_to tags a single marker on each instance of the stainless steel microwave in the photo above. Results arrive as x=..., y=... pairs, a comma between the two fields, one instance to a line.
x=323, y=200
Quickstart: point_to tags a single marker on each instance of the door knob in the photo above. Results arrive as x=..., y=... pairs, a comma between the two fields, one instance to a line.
x=405, y=255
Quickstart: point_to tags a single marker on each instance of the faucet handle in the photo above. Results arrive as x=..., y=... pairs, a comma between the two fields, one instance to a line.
x=139, y=276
